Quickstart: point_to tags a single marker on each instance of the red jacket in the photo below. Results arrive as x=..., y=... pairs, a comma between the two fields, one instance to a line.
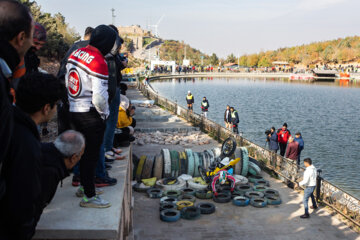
x=283, y=136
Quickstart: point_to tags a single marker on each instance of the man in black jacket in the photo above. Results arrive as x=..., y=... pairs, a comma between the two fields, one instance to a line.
x=16, y=30
x=57, y=159
x=37, y=95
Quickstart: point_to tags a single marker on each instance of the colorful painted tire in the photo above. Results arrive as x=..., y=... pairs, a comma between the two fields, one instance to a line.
x=196, y=165
x=258, y=202
x=183, y=163
x=254, y=169
x=228, y=147
x=241, y=201
x=158, y=166
x=155, y=193
x=253, y=179
x=260, y=188
x=206, y=208
x=273, y=200
x=238, y=165
x=222, y=198
x=179, y=185
x=245, y=161
x=190, y=213
x=196, y=186
x=172, y=193
x=262, y=182
x=184, y=203
x=168, y=206
x=187, y=197
x=174, y=156
x=204, y=194
x=243, y=188
x=167, y=162
x=216, y=151
x=140, y=168
x=271, y=192
x=148, y=167
x=253, y=194
x=165, y=200
x=240, y=180
x=191, y=162
x=170, y=215
x=188, y=191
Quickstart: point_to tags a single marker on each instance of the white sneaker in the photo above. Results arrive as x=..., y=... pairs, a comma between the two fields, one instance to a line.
x=80, y=191
x=94, y=202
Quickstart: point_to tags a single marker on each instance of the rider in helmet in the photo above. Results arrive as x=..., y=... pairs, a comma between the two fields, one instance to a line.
x=221, y=177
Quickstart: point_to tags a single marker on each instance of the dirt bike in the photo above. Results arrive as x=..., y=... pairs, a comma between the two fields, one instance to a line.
x=227, y=149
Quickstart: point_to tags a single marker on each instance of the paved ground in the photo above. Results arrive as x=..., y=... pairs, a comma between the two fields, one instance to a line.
x=229, y=221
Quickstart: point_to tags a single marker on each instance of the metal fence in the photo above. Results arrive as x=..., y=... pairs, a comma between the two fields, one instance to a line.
x=285, y=169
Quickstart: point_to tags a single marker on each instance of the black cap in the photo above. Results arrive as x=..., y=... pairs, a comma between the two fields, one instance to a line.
x=285, y=125
x=298, y=133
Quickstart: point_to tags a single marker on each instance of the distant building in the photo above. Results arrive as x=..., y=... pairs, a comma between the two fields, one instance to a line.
x=135, y=33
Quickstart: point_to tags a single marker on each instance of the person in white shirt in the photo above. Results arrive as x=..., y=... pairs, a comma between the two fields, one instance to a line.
x=309, y=182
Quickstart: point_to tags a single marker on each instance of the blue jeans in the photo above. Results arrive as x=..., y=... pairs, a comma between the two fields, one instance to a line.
x=107, y=144
x=309, y=192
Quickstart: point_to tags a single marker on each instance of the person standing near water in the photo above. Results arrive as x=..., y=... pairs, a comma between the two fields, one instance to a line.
x=234, y=120
x=300, y=141
x=205, y=106
x=190, y=100
x=227, y=117
x=283, y=137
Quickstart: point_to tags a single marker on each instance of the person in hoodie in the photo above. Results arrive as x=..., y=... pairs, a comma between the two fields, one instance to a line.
x=273, y=140
x=87, y=86
x=309, y=182
x=300, y=141
x=57, y=159
x=19, y=207
x=63, y=106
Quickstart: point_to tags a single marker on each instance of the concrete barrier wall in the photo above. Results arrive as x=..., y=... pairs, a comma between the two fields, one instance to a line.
x=283, y=168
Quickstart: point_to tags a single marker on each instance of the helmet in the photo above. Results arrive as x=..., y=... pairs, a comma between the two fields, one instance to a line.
x=222, y=177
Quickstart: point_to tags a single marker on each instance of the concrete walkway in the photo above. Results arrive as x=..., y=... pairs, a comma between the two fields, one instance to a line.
x=229, y=221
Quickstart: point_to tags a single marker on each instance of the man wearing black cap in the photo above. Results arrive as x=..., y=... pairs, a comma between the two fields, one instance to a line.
x=87, y=84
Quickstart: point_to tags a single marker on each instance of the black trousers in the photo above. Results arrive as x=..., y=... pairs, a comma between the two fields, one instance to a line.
x=235, y=128
x=282, y=148
x=124, y=136
x=92, y=127
x=63, y=117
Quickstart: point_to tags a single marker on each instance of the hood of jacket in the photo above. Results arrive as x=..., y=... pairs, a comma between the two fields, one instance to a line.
x=103, y=38
x=53, y=158
x=116, y=47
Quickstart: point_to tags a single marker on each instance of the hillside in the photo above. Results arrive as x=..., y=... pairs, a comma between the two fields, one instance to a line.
x=339, y=51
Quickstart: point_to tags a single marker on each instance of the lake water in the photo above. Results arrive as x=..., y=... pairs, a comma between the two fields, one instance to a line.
x=326, y=114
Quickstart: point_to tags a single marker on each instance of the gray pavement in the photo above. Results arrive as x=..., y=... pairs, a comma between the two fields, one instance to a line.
x=229, y=221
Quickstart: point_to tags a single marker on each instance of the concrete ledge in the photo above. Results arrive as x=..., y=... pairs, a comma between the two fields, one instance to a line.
x=185, y=129
x=65, y=219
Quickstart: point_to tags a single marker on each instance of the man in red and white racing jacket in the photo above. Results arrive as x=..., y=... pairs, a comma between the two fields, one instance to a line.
x=87, y=84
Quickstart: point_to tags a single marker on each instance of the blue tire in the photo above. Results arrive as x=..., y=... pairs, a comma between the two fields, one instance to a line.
x=273, y=200
x=271, y=192
x=262, y=182
x=170, y=215
x=258, y=202
x=191, y=162
x=241, y=201
x=260, y=188
x=254, y=169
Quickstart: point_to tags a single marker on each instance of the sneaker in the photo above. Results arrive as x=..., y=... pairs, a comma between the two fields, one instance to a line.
x=108, y=166
x=305, y=216
x=105, y=181
x=80, y=191
x=94, y=202
x=76, y=181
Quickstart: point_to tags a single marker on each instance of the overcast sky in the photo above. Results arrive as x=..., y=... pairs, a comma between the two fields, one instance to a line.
x=222, y=26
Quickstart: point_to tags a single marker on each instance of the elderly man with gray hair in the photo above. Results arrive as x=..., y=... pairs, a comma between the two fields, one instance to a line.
x=57, y=159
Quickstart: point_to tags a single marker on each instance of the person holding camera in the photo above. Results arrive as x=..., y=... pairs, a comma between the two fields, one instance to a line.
x=272, y=138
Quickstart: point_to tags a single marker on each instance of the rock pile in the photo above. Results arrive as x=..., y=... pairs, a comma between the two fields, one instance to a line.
x=185, y=139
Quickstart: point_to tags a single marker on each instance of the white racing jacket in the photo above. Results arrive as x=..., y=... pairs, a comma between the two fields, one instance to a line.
x=87, y=81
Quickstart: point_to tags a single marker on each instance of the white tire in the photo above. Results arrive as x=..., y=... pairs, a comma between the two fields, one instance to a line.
x=196, y=186
x=240, y=179
x=181, y=184
x=167, y=162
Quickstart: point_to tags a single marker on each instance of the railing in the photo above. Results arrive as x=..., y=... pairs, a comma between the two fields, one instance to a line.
x=283, y=168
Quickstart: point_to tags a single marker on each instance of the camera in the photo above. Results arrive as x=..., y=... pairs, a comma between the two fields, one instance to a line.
x=267, y=132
